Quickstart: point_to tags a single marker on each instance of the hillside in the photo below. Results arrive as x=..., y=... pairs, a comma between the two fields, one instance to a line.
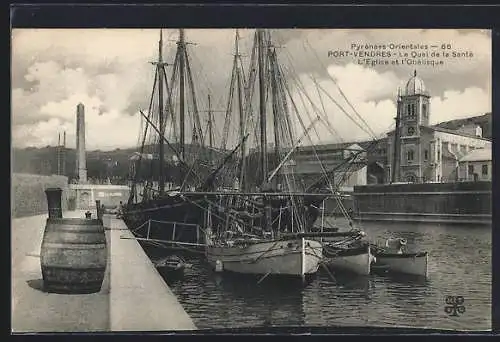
x=100, y=164
x=482, y=120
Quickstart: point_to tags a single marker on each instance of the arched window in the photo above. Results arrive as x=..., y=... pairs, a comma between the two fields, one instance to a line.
x=411, y=178
x=410, y=155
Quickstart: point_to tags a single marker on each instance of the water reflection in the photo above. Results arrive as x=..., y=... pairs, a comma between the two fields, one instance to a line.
x=459, y=264
x=276, y=301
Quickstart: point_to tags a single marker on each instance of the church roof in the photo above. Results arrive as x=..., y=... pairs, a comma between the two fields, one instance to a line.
x=449, y=131
x=415, y=86
x=456, y=132
x=349, y=146
x=480, y=154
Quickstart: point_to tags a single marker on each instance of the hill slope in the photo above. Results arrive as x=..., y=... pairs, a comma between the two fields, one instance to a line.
x=482, y=120
x=43, y=161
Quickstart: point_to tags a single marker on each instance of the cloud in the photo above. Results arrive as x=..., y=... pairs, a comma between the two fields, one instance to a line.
x=109, y=71
x=455, y=104
x=104, y=130
x=364, y=110
x=310, y=53
x=371, y=109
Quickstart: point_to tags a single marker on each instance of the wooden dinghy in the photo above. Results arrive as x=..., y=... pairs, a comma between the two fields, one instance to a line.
x=356, y=259
x=171, y=263
x=394, y=259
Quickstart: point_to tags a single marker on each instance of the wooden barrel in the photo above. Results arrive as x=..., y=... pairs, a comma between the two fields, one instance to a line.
x=54, y=202
x=73, y=255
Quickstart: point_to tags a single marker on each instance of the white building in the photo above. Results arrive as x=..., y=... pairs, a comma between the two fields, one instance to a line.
x=476, y=165
x=427, y=153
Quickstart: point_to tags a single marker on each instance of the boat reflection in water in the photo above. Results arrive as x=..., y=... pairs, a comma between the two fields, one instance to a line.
x=281, y=297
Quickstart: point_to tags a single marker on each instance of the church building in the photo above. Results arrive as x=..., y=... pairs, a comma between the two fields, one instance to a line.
x=426, y=153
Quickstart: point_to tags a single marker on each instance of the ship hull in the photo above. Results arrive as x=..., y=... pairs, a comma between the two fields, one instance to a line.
x=407, y=263
x=172, y=218
x=355, y=260
x=278, y=257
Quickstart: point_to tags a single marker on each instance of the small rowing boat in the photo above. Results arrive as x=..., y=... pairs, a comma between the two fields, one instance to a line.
x=171, y=263
x=355, y=259
x=394, y=259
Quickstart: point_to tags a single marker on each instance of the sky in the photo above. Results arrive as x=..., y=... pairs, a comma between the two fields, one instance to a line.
x=109, y=71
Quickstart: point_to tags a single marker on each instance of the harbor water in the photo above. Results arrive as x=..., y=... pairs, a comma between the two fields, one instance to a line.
x=459, y=265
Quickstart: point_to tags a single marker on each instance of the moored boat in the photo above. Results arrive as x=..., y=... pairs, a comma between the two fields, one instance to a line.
x=395, y=259
x=267, y=226
x=166, y=164
x=293, y=257
x=407, y=263
x=355, y=259
x=171, y=263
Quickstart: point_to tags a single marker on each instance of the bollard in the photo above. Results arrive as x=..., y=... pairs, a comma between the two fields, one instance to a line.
x=54, y=202
x=98, y=210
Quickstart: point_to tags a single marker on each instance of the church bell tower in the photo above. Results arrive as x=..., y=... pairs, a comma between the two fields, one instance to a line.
x=414, y=113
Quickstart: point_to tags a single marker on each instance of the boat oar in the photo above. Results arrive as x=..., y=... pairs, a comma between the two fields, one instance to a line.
x=330, y=274
x=263, y=277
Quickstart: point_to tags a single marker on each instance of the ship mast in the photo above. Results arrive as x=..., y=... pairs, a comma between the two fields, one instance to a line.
x=181, y=45
x=210, y=132
x=396, y=149
x=274, y=90
x=241, y=114
x=159, y=66
x=262, y=106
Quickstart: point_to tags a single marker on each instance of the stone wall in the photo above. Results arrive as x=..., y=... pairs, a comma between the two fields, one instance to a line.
x=28, y=193
x=466, y=198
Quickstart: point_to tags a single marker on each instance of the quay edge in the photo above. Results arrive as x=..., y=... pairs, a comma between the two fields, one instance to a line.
x=133, y=296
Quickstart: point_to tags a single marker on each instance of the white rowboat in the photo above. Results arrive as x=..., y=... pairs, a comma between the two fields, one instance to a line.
x=353, y=259
x=407, y=263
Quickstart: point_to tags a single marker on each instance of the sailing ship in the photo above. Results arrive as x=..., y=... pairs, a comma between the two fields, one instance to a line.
x=170, y=214
x=265, y=228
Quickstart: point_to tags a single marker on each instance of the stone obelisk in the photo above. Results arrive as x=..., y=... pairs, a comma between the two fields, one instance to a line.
x=80, y=144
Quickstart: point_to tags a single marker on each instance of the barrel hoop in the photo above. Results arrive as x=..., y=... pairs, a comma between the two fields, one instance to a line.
x=73, y=221
x=74, y=238
x=75, y=269
x=73, y=288
x=75, y=241
x=73, y=245
x=90, y=284
x=75, y=229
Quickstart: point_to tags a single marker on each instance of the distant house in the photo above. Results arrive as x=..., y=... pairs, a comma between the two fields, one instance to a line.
x=311, y=162
x=476, y=165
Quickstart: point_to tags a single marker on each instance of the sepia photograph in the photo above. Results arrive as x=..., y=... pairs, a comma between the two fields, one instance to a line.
x=185, y=179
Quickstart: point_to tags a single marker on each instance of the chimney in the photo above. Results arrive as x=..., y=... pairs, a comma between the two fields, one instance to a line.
x=63, y=155
x=58, y=153
x=80, y=143
x=479, y=131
